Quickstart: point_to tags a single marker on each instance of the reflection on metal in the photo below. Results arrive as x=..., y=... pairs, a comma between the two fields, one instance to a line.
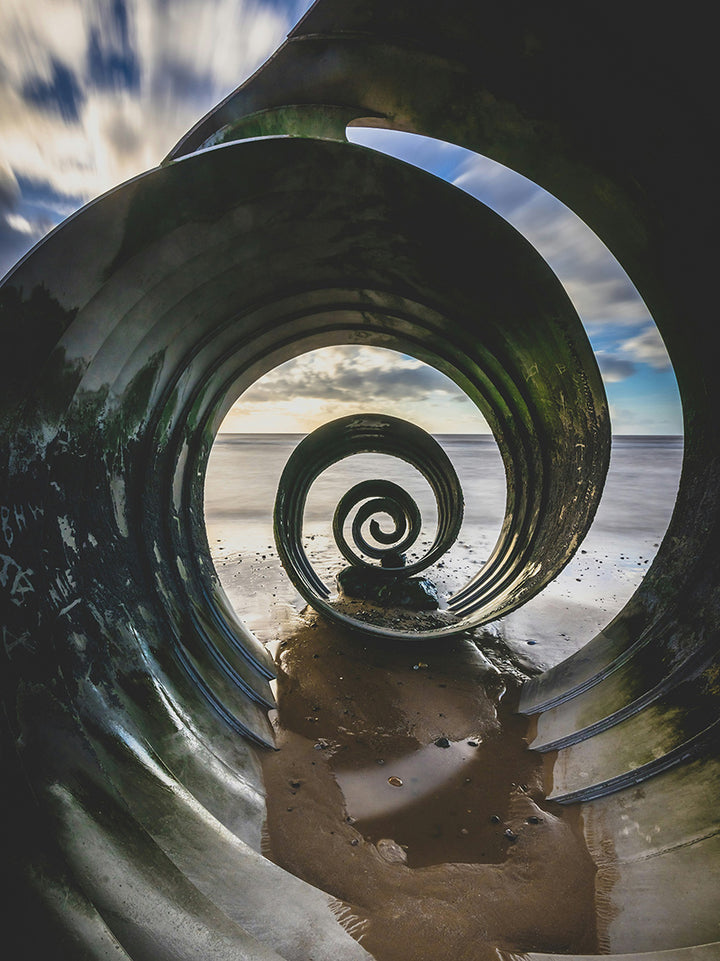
x=356, y=434
x=134, y=698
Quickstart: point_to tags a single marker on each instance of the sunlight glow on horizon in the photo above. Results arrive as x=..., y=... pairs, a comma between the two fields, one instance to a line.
x=330, y=382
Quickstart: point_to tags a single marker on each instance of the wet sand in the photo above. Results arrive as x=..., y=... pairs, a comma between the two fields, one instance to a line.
x=402, y=786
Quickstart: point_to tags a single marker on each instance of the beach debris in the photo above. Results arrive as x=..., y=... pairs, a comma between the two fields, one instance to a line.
x=391, y=851
x=321, y=744
x=420, y=666
x=395, y=781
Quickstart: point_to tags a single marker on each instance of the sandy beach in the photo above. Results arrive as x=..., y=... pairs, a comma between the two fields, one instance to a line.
x=630, y=523
x=402, y=785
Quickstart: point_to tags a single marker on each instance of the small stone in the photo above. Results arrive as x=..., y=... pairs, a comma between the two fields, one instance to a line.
x=442, y=742
x=391, y=851
x=473, y=743
x=464, y=831
x=395, y=781
x=494, y=818
x=354, y=842
x=295, y=784
x=385, y=587
x=393, y=559
x=510, y=835
x=533, y=819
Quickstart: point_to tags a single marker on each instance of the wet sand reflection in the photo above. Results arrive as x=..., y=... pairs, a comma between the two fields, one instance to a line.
x=403, y=788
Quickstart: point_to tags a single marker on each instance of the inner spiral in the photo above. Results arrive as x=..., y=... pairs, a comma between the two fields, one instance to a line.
x=386, y=498
x=344, y=437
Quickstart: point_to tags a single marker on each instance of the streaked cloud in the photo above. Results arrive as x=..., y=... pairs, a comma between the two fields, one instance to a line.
x=648, y=347
x=324, y=384
x=93, y=92
x=632, y=359
x=596, y=283
x=614, y=368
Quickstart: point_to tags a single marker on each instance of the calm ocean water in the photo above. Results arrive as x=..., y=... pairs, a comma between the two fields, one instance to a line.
x=639, y=496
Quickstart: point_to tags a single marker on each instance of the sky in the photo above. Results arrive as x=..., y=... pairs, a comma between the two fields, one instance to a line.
x=94, y=92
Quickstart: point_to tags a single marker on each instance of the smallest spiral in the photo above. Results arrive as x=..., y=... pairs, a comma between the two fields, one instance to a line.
x=385, y=521
x=372, y=498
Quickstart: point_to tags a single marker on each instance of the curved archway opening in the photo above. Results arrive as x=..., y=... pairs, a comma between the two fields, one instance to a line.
x=260, y=432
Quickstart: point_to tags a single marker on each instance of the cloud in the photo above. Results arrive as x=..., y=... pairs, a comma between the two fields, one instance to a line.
x=614, y=368
x=19, y=223
x=61, y=93
x=9, y=187
x=19, y=228
x=598, y=286
x=504, y=190
x=94, y=92
x=596, y=283
x=324, y=384
x=648, y=348
x=345, y=374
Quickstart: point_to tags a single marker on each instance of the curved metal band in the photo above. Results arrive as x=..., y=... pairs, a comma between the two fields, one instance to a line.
x=333, y=442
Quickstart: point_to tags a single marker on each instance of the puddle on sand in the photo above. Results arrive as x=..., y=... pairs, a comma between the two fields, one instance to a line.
x=439, y=803
x=403, y=788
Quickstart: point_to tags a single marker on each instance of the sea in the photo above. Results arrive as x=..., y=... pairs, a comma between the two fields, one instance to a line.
x=633, y=516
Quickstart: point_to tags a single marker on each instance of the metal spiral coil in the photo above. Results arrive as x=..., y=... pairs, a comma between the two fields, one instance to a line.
x=366, y=433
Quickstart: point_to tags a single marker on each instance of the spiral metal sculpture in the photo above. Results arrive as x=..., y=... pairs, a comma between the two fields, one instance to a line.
x=135, y=700
x=366, y=433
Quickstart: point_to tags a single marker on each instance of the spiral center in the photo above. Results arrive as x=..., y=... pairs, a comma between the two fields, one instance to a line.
x=371, y=498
